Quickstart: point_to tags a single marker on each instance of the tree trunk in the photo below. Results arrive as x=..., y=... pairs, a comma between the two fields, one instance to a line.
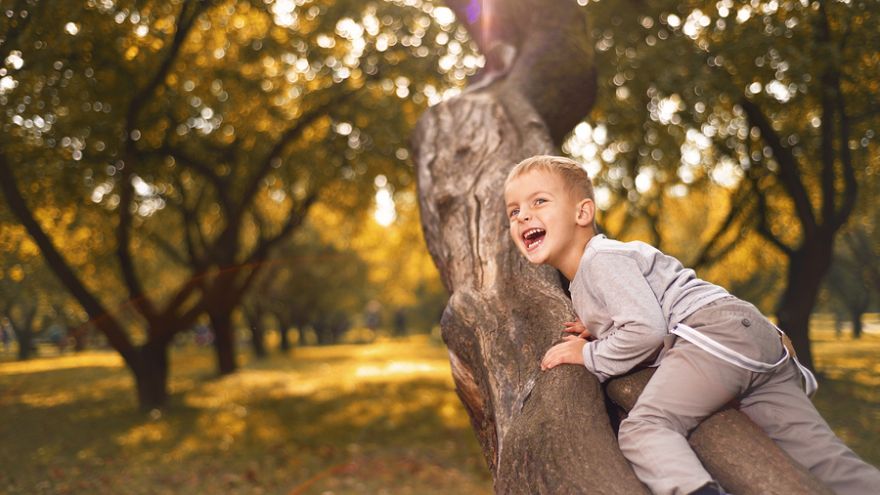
x=284, y=333
x=80, y=337
x=24, y=333
x=806, y=269
x=224, y=340
x=151, y=375
x=857, y=323
x=258, y=332
x=25, y=338
x=103, y=319
x=323, y=332
x=539, y=432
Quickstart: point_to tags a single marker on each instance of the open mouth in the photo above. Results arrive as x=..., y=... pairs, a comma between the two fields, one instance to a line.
x=533, y=238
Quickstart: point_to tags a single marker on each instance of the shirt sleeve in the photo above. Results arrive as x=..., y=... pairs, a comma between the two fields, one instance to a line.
x=638, y=326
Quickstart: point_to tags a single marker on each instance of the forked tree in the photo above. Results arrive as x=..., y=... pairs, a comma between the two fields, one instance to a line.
x=540, y=432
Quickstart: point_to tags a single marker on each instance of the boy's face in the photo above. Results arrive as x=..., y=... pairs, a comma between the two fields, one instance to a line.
x=543, y=216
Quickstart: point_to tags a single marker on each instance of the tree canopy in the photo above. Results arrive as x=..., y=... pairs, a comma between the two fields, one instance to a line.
x=190, y=138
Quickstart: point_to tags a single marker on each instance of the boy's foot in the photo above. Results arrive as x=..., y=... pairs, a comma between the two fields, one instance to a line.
x=709, y=489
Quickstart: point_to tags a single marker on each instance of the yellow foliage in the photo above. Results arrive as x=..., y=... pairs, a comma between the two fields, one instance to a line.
x=16, y=273
x=28, y=248
x=397, y=255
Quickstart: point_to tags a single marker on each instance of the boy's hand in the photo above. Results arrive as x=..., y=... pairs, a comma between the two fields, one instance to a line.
x=570, y=351
x=576, y=327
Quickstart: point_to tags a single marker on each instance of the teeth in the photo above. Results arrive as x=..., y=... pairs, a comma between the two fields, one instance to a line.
x=533, y=242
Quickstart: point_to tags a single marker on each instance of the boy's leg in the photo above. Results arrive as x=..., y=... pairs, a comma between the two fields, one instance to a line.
x=689, y=385
x=778, y=404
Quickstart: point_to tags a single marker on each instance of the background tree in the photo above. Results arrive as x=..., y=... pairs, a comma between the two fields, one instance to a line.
x=770, y=100
x=864, y=245
x=201, y=148
x=853, y=284
x=315, y=286
x=848, y=284
x=20, y=303
x=31, y=297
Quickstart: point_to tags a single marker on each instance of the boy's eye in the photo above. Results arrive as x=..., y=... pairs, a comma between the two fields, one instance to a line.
x=540, y=201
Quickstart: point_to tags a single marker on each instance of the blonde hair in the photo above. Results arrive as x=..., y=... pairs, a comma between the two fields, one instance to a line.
x=577, y=181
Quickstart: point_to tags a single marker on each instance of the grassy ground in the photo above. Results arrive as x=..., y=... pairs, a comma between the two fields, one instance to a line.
x=377, y=418
x=849, y=389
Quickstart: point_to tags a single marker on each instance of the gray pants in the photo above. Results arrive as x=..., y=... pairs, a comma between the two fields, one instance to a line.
x=690, y=384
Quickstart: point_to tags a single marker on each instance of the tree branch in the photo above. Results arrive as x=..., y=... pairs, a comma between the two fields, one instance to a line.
x=184, y=23
x=764, y=222
x=292, y=133
x=136, y=293
x=141, y=302
x=167, y=248
x=789, y=173
x=850, y=188
x=827, y=97
x=190, y=223
x=102, y=318
x=296, y=217
x=193, y=163
x=709, y=254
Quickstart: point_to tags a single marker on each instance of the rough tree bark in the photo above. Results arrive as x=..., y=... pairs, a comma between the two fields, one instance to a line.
x=539, y=432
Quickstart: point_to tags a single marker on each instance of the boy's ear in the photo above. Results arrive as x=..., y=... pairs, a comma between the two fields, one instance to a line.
x=586, y=212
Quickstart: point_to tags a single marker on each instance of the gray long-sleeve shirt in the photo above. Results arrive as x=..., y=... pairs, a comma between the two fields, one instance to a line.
x=629, y=296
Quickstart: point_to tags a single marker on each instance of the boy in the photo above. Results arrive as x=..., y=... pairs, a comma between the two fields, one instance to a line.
x=638, y=307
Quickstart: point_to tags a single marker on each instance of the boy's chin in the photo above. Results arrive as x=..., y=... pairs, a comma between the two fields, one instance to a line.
x=535, y=257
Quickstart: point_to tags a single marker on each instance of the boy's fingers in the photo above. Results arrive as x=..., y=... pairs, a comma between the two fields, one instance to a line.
x=549, y=360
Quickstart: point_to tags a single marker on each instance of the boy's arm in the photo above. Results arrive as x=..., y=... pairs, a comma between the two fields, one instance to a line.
x=617, y=282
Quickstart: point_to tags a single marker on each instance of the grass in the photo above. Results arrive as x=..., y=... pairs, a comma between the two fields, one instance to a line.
x=350, y=419
x=848, y=396
x=378, y=418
